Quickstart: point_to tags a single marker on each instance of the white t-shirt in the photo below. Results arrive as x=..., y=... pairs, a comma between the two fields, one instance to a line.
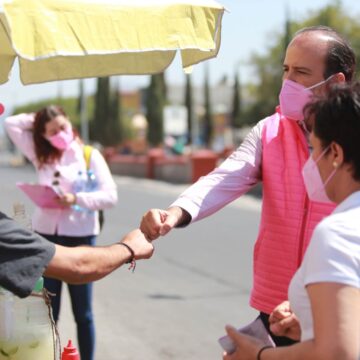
x=333, y=255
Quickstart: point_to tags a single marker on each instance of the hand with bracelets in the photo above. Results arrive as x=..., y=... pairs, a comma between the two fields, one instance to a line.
x=137, y=246
x=247, y=347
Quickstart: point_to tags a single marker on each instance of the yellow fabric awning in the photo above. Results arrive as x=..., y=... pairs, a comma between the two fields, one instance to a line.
x=67, y=39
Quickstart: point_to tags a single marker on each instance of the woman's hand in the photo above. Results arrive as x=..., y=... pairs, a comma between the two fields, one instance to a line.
x=246, y=347
x=283, y=322
x=67, y=199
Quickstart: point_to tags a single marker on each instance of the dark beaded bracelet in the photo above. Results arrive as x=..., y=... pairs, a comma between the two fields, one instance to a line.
x=132, y=259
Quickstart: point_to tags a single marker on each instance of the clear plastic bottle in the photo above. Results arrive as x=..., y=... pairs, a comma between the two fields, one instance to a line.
x=20, y=216
x=26, y=331
x=91, y=184
x=79, y=185
x=91, y=181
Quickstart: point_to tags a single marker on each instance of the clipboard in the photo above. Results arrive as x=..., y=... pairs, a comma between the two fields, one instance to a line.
x=43, y=196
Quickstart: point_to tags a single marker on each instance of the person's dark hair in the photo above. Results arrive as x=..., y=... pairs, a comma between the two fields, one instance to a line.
x=44, y=151
x=336, y=118
x=340, y=56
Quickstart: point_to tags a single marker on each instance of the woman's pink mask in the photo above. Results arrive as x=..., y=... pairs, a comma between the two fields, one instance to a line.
x=293, y=98
x=62, y=139
x=314, y=185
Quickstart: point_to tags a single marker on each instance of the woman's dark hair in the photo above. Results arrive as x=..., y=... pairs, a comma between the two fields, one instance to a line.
x=340, y=55
x=336, y=118
x=44, y=151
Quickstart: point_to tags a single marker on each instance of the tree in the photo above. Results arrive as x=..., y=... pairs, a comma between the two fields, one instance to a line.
x=82, y=113
x=101, y=110
x=236, y=118
x=189, y=107
x=268, y=67
x=115, y=130
x=107, y=113
x=208, y=121
x=155, y=102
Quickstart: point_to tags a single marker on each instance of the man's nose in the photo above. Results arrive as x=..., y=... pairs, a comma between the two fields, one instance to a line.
x=289, y=75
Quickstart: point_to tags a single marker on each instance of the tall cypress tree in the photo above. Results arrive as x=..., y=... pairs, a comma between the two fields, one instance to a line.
x=208, y=121
x=155, y=102
x=115, y=131
x=189, y=107
x=236, y=119
x=107, y=113
x=101, y=110
x=82, y=113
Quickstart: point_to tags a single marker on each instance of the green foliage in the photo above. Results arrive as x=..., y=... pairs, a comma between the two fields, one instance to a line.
x=110, y=128
x=101, y=119
x=106, y=123
x=68, y=104
x=268, y=67
x=116, y=133
x=155, y=102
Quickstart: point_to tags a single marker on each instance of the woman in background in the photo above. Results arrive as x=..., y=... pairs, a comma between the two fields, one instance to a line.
x=49, y=142
x=325, y=291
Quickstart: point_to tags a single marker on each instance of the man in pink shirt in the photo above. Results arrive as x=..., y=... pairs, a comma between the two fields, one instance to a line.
x=274, y=152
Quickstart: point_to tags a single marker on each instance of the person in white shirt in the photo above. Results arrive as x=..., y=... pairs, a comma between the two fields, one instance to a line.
x=48, y=140
x=324, y=294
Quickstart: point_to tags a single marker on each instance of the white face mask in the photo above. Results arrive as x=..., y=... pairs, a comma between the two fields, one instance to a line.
x=314, y=185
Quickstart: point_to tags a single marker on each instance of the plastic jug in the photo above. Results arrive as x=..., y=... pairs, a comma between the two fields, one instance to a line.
x=25, y=326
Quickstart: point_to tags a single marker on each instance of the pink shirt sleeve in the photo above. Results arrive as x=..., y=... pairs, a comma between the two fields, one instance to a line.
x=234, y=177
x=19, y=128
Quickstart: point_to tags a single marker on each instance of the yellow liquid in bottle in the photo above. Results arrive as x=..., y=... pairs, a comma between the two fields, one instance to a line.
x=39, y=347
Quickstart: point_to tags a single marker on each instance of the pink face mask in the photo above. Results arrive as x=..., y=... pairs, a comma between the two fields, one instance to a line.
x=293, y=98
x=314, y=185
x=62, y=139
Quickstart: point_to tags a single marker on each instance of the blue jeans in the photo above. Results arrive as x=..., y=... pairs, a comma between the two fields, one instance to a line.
x=81, y=299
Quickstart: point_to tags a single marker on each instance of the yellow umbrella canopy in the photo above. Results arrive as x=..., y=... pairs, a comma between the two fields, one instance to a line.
x=68, y=39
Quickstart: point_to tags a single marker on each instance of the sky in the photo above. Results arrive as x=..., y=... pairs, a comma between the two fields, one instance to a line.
x=247, y=27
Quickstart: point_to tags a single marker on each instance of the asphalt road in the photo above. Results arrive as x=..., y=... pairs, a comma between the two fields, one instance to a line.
x=175, y=305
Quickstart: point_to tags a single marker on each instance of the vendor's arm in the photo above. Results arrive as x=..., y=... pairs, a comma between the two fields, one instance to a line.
x=81, y=264
x=19, y=128
x=234, y=177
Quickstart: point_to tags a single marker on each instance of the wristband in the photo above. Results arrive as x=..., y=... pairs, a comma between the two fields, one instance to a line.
x=131, y=261
x=258, y=356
